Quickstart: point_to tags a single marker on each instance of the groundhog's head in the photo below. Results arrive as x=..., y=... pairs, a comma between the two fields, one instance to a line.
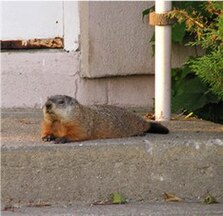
x=60, y=107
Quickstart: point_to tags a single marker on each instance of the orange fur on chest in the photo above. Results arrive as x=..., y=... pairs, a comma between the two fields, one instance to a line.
x=71, y=130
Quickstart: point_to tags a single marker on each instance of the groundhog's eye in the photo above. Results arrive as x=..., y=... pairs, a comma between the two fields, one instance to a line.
x=61, y=102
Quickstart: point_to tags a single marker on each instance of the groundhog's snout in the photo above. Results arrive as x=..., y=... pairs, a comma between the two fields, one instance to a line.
x=48, y=105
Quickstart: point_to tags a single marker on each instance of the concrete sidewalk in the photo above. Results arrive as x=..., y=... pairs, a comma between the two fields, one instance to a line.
x=131, y=209
x=187, y=162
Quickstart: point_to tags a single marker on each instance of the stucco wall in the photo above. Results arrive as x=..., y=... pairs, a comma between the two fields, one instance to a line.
x=110, y=46
x=29, y=77
x=114, y=39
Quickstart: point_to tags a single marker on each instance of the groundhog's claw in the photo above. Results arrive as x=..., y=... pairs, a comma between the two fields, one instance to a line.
x=48, y=138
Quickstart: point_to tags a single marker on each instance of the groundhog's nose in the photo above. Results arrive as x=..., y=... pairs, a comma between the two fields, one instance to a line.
x=48, y=105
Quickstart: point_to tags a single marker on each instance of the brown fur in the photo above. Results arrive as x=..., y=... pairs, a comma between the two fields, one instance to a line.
x=76, y=122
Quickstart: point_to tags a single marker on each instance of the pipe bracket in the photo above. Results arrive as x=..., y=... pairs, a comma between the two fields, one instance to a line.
x=160, y=19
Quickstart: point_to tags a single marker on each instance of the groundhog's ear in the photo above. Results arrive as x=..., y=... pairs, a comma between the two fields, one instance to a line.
x=74, y=101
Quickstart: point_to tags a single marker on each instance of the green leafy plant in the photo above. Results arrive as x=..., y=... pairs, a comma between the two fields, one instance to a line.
x=201, y=90
x=114, y=198
x=188, y=91
x=117, y=198
x=209, y=68
x=209, y=199
x=198, y=85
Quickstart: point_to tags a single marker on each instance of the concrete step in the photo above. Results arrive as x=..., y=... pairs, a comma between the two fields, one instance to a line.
x=187, y=162
x=131, y=209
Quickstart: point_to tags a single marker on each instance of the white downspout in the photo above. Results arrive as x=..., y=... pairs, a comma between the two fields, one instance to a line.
x=163, y=65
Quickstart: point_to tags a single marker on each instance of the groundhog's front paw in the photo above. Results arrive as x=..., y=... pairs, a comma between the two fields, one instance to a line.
x=61, y=140
x=48, y=138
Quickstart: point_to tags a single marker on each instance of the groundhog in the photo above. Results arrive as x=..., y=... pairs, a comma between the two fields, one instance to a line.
x=66, y=120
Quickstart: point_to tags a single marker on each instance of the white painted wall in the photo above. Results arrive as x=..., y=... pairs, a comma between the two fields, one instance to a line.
x=41, y=19
x=71, y=25
x=35, y=19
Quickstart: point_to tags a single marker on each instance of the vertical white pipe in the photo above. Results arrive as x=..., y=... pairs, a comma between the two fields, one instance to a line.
x=163, y=65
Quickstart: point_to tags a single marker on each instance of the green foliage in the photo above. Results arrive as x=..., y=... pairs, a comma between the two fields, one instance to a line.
x=178, y=33
x=198, y=85
x=209, y=199
x=199, y=88
x=117, y=198
x=147, y=11
x=190, y=94
x=203, y=20
x=210, y=69
x=188, y=91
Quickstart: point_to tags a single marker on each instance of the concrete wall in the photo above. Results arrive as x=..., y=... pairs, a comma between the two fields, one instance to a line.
x=110, y=46
x=28, y=77
x=114, y=39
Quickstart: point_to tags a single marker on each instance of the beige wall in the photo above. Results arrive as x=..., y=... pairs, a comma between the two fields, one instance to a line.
x=114, y=42
x=114, y=39
x=29, y=77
